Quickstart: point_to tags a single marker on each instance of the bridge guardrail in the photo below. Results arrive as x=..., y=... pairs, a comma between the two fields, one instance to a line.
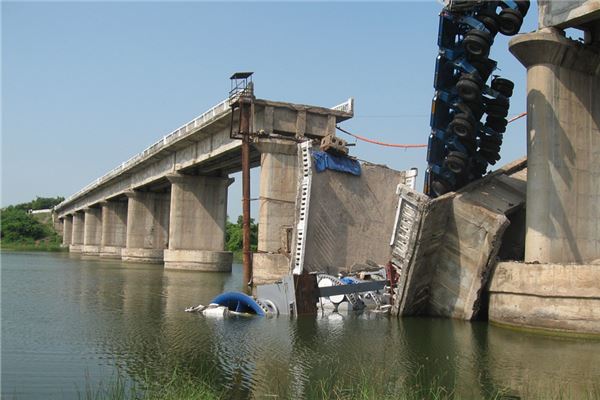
x=216, y=111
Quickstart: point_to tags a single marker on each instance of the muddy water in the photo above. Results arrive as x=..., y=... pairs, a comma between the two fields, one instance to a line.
x=68, y=322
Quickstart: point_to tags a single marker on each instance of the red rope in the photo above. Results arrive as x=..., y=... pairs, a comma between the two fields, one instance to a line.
x=517, y=117
x=364, y=139
x=408, y=146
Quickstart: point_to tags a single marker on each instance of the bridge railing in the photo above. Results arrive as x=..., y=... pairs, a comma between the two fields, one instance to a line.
x=347, y=106
x=214, y=112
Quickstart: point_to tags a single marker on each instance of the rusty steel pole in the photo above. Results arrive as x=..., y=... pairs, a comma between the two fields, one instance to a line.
x=245, y=115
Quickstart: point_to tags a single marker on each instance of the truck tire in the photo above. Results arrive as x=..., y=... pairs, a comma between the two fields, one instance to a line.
x=456, y=162
x=490, y=20
x=510, y=21
x=468, y=89
x=496, y=110
x=477, y=43
x=504, y=86
x=462, y=126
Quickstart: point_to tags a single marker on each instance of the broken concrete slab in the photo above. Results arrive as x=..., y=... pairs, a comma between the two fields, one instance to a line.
x=447, y=258
x=342, y=219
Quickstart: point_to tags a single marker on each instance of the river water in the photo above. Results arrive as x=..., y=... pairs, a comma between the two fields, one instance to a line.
x=68, y=322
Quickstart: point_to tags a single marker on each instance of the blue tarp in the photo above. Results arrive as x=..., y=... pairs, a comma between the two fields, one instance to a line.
x=325, y=161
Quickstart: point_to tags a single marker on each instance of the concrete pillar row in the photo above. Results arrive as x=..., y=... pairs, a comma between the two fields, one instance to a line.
x=76, y=245
x=563, y=147
x=197, y=223
x=114, y=228
x=92, y=231
x=67, y=230
x=277, y=207
x=147, y=226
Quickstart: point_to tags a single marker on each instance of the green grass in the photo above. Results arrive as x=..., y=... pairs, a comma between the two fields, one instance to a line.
x=174, y=387
x=180, y=386
x=47, y=244
x=381, y=385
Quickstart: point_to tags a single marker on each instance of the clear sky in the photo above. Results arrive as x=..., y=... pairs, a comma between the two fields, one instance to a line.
x=85, y=86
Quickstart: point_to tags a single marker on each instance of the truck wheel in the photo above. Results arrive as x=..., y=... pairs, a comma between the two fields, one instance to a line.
x=468, y=89
x=510, y=21
x=497, y=124
x=499, y=101
x=456, y=162
x=477, y=43
x=496, y=128
x=490, y=20
x=504, y=86
x=496, y=110
x=462, y=125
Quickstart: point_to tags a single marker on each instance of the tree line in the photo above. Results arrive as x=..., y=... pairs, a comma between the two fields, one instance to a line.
x=19, y=227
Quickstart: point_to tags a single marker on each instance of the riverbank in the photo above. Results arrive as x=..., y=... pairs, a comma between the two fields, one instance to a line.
x=52, y=244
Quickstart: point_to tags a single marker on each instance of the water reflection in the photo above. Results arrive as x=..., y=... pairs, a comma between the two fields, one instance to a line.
x=62, y=316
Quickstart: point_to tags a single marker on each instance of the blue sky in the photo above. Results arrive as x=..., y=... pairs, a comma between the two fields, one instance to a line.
x=85, y=86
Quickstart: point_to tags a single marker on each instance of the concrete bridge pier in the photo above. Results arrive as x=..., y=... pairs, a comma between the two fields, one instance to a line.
x=563, y=147
x=556, y=288
x=277, y=197
x=92, y=231
x=67, y=230
x=197, y=223
x=147, y=226
x=114, y=228
x=76, y=245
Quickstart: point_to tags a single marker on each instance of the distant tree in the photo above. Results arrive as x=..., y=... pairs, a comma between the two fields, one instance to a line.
x=40, y=203
x=234, y=235
x=17, y=226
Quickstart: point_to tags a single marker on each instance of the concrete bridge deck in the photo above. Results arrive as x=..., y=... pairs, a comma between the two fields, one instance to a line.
x=203, y=147
x=169, y=202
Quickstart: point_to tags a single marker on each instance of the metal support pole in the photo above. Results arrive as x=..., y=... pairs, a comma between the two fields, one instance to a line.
x=245, y=115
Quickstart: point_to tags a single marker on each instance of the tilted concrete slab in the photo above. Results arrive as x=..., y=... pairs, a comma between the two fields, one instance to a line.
x=448, y=245
x=204, y=146
x=349, y=218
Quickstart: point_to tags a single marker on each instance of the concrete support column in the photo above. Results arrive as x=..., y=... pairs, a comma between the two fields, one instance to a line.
x=277, y=199
x=76, y=245
x=197, y=223
x=147, y=226
x=67, y=230
x=563, y=147
x=114, y=228
x=92, y=231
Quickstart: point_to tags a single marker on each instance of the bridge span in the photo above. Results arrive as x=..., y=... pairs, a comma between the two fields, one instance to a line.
x=169, y=202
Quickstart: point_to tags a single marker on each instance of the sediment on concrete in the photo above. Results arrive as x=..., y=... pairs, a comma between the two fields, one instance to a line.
x=143, y=255
x=552, y=297
x=110, y=252
x=198, y=260
x=75, y=248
